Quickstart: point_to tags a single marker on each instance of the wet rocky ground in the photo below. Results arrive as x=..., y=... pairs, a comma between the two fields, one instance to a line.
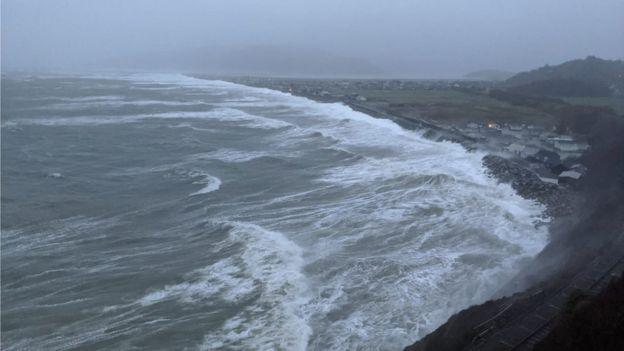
x=557, y=199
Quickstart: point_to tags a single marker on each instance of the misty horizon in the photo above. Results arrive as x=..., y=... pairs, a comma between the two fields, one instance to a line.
x=352, y=39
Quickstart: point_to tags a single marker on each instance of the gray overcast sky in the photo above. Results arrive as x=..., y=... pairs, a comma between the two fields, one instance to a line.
x=416, y=38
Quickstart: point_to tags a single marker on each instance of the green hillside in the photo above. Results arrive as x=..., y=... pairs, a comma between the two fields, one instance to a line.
x=591, y=76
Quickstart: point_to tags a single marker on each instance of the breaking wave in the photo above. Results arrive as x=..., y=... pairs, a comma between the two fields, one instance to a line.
x=278, y=222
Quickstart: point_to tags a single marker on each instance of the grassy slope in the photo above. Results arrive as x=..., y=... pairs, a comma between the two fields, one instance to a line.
x=590, y=69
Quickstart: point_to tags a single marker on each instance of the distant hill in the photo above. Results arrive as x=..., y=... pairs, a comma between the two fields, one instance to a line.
x=255, y=61
x=489, y=74
x=564, y=87
x=591, y=76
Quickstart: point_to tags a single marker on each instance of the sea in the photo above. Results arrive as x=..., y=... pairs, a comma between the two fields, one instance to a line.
x=147, y=211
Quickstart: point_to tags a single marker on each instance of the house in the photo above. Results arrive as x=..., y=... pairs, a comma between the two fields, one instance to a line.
x=567, y=146
x=530, y=150
x=579, y=168
x=549, y=158
x=568, y=177
x=561, y=138
x=570, y=146
x=513, y=130
x=516, y=148
x=549, y=180
x=534, y=131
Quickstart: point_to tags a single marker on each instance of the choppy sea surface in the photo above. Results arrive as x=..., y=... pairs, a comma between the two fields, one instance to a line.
x=146, y=211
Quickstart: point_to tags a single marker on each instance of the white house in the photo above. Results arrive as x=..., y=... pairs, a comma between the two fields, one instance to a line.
x=516, y=148
x=566, y=143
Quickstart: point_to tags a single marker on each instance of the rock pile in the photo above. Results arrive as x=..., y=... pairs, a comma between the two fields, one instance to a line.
x=528, y=185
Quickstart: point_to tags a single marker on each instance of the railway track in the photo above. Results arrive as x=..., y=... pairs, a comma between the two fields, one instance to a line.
x=533, y=327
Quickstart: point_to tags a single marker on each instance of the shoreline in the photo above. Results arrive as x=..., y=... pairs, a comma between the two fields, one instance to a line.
x=531, y=180
x=499, y=165
x=559, y=202
x=575, y=208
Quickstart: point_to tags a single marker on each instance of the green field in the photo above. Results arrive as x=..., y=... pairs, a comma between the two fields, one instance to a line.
x=421, y=96
x=616, y=103
x=453, y=106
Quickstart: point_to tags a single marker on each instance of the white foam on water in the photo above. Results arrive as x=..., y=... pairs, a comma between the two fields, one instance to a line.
x=224, y=278
x=90, y=98
x=422, y=234
x=415, y=258
x=219, y=114
x=114, y=103
x=269, y=270
x=141, y=87
x=65, y=232
x=275, y=321
x=211, y=183
x=192, y=127
x=247, y=104
x=244, y=99
x=484, y=222
x=230, y=155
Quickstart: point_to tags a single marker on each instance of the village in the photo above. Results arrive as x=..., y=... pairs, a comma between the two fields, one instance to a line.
x=554, y=157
